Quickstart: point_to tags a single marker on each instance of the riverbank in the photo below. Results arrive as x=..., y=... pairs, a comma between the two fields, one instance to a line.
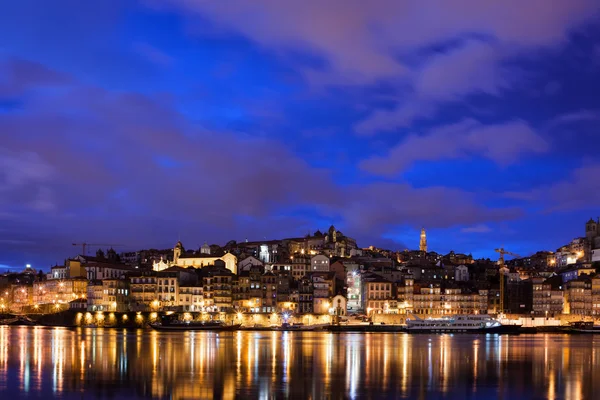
x=248, y=322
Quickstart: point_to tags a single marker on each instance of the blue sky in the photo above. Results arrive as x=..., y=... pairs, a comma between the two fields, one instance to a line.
x=138, y=122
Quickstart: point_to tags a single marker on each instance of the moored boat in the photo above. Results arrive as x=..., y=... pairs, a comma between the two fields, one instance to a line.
x=583, y=327
x=459, y=323
x=167, y=324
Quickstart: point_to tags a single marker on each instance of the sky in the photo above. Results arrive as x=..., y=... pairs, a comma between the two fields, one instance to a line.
x=138, y=123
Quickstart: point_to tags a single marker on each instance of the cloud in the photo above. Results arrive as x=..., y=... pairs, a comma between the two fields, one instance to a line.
x=360, y=40
x=92, y=161
x=502, y=143
x=481, y=228
x=19, y=75
x=575, y=117
x=153, y=54
x=469, y=69
x=381, y=206
x=577, y=192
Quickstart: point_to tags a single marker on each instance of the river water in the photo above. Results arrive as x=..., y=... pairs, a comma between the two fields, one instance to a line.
x=47, y=363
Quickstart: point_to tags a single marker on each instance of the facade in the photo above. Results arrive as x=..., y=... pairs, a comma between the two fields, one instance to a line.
x=377, y=295
x=248, y=262
x=169, y=282
x=143, y=289
x=102, y=270
x=548, y=297
x=115, y=295
x=217, y=288
x=434, y=301
x=578, y=297
x=339, y=305
x=196, y=260
x=461, y=273
x=319, y=263
x=59, y=291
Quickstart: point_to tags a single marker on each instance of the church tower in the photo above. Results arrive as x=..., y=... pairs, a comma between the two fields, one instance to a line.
x=423, y=242
x=177, y=250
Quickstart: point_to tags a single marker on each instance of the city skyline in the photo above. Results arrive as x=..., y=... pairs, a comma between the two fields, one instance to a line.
x=141, y=123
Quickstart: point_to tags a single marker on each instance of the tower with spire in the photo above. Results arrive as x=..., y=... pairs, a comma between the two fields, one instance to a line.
x=423, y=242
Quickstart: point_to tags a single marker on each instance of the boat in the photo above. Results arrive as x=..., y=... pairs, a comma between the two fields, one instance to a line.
x=169, y=324
x=9, y=321
x=583, y=327
x=297, y=327
x=459, y=323
x=18, y=321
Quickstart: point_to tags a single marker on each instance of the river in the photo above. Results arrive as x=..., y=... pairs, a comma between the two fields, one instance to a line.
x=38, y=362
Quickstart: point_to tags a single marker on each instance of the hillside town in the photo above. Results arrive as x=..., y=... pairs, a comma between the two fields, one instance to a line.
x=323, y=273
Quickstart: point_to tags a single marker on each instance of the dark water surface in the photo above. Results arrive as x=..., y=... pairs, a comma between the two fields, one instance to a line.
x=96, y=363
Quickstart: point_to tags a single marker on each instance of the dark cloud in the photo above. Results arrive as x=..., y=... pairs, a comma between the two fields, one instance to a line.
x=502, y=143
x=85, y=159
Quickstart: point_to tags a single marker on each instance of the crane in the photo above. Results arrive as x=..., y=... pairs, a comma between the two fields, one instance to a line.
x=84, y=245
x=502, y=253
x=501, y=271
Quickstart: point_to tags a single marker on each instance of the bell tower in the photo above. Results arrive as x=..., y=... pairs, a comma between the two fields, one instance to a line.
x=177, y=252
x=423, y=242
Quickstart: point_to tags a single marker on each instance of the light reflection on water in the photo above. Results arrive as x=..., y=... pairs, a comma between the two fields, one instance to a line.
x=97, y=363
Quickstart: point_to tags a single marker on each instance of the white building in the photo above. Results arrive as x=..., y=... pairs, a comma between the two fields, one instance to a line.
x=195, y=260
x=248, y=262
x=461, y=274
x=595, y=255
x=319, y=263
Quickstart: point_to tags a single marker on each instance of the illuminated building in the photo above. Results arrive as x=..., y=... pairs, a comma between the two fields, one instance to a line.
x=217, y=287
x=548, y=296
x=377, y=295
x=196, y=260
x=60, y=291
x=423, y=241
x=434, y=301
x=168, y=285
x=143, y=291
x=578, y=297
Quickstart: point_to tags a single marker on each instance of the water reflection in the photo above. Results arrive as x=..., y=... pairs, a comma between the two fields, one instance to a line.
x=98, y=363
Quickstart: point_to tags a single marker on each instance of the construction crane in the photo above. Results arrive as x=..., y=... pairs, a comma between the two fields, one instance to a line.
x=84, y=245
x=501, y=271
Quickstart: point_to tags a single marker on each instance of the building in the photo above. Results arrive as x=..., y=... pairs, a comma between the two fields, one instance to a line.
x=423, y=241
x=518, y=296
x=100, y=270
x=195, y=259
x=377, y=295
x=300, y=265
x=596, y=295
x=246, y=263
x=115, y=294
x=339, y=269
x=578, y=297
x=319, y=263
x=548, y=296
x=217, y=288
x=339, y=305
x=433, y=300
x=59, y=291
x=143, y=292
x=305, y=295
x=461, y=273
x=168, y=283
x=323, y=284
x=354, y=290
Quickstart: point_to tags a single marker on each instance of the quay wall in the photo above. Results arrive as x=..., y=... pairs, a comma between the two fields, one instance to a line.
x=74, y=318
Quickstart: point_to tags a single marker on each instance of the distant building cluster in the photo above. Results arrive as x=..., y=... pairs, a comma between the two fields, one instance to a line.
x=320, y=273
